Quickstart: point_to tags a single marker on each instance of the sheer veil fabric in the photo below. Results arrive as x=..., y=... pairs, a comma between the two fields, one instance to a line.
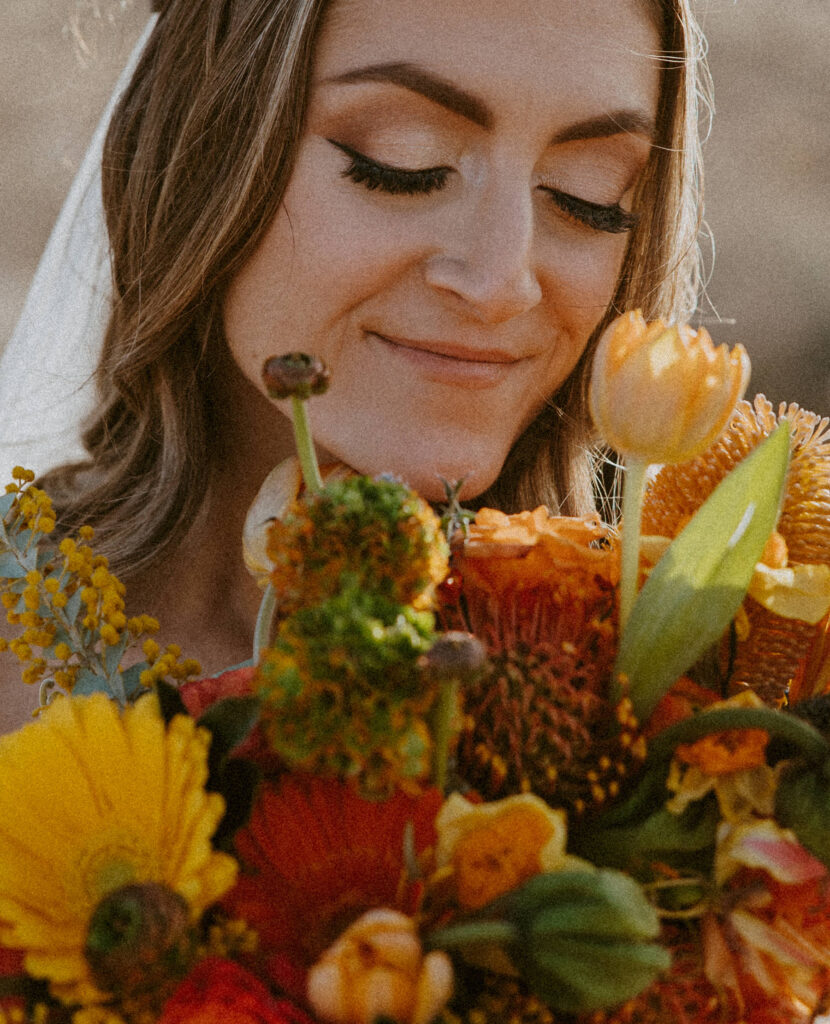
x=46, y=372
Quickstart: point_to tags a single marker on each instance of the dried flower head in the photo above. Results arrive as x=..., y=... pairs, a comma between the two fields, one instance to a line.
x=377, y=532
x=539, y=590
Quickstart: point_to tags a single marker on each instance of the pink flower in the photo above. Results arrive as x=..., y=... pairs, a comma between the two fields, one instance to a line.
x=769, y=942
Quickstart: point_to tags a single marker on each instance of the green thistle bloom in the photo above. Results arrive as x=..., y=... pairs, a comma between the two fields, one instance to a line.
x=342, y=691
x=377, y=532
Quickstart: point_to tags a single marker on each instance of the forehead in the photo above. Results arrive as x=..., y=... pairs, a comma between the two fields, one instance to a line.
x=514, y=53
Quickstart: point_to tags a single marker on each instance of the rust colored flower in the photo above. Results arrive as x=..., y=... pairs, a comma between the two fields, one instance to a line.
x=315, y=856
x=684, y=699
x=767, y=941
x=723, y=753
x=731, y=763
x=663, y=394
x=219, y=991
x=540, y=591
x=494, y=847
x=200, y=694
x=376, y=970
x=771, y=648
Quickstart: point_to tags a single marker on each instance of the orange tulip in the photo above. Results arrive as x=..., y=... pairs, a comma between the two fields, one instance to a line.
x=663, y=394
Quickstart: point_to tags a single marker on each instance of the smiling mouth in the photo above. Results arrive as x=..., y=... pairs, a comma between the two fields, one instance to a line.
x=451, y=352
x=451, y=364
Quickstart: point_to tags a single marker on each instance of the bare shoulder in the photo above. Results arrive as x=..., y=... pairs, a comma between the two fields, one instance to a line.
x=17, y=700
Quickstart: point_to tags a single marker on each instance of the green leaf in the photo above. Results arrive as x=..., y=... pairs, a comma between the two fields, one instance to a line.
x=114, y=654
x=584, y=938
x=10, y=567
x=6, y=502
x=697, y=586
x=89, y=682
x=237, y=782
x=229, y=721
x=131, y=679
x=170, y=701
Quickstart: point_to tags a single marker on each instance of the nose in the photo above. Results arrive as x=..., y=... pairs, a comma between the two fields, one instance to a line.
x=487, y=260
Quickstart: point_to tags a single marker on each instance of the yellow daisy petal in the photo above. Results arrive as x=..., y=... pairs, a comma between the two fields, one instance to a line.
x=94, y=799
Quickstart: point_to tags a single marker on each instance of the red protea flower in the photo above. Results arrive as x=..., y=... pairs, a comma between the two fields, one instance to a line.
x=219, y=991
x=540, y=591
x=769, y=654
x=315, y=856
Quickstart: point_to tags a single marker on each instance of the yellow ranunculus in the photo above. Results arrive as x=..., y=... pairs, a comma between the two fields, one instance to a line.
x=494, y=847
x=663, y=394
x=377, y=969
x=93, y=799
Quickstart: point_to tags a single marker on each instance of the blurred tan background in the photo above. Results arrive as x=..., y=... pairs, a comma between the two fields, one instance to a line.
x=767, y=185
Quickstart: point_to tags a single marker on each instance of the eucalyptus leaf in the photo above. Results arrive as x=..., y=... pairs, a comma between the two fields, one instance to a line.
x=89, y=682
x=6, y=502
x=73, y=606
x=10, y=567
x=698, y=585
x=131, y=678
x=114, y=654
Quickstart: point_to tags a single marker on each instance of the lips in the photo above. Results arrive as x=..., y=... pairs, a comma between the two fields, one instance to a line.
x=450, y=364
x=448, y=350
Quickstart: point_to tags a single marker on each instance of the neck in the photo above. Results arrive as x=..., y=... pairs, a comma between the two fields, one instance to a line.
x=203, y=596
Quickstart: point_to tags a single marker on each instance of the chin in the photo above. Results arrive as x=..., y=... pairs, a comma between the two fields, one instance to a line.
x=427, y=476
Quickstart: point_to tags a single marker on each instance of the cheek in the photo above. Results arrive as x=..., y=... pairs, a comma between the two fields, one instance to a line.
x=583, y=277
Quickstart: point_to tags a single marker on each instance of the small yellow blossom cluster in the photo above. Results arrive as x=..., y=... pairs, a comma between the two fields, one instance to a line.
x=67, y=605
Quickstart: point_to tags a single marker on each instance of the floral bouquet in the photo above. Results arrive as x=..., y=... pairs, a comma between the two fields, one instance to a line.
x=482, y=768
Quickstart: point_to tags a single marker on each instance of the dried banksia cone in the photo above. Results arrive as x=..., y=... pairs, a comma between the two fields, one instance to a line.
x=139, y=940
x=768, y=655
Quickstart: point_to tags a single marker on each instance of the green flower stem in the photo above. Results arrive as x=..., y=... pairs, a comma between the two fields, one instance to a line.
x=473, y=933
x=305, y=446
x=264, y=621
x=445, y=711
x=632, y=509
x=778, y=724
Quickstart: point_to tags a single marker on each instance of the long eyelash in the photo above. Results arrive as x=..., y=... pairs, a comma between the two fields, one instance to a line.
x=393, y=180
x=612, y=219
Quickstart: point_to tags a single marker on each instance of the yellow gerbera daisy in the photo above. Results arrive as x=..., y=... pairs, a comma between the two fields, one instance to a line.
x=93, y=799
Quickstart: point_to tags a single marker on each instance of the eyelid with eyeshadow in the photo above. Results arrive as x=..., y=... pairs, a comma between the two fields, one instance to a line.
x=376, y=176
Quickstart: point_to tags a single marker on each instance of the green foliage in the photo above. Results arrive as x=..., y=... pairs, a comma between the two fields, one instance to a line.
x=698, y=585
x=581, y=940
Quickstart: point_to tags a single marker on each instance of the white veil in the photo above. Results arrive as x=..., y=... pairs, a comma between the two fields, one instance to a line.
x=46, y=385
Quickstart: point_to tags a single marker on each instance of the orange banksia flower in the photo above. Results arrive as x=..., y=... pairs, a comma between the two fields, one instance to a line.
x=770, y=648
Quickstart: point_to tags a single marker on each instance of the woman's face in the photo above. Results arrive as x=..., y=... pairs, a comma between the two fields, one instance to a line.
x=455, y=223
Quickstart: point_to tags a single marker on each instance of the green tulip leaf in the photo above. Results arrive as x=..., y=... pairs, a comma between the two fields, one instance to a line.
x=696, y=588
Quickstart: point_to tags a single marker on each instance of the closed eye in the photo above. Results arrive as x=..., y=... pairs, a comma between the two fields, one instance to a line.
x=396, y=181
x=611, y=218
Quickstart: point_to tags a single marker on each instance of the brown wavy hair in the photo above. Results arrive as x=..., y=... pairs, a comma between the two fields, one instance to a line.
x=197, y=158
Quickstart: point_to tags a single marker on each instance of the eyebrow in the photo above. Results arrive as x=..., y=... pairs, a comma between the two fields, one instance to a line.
x=459, y=101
